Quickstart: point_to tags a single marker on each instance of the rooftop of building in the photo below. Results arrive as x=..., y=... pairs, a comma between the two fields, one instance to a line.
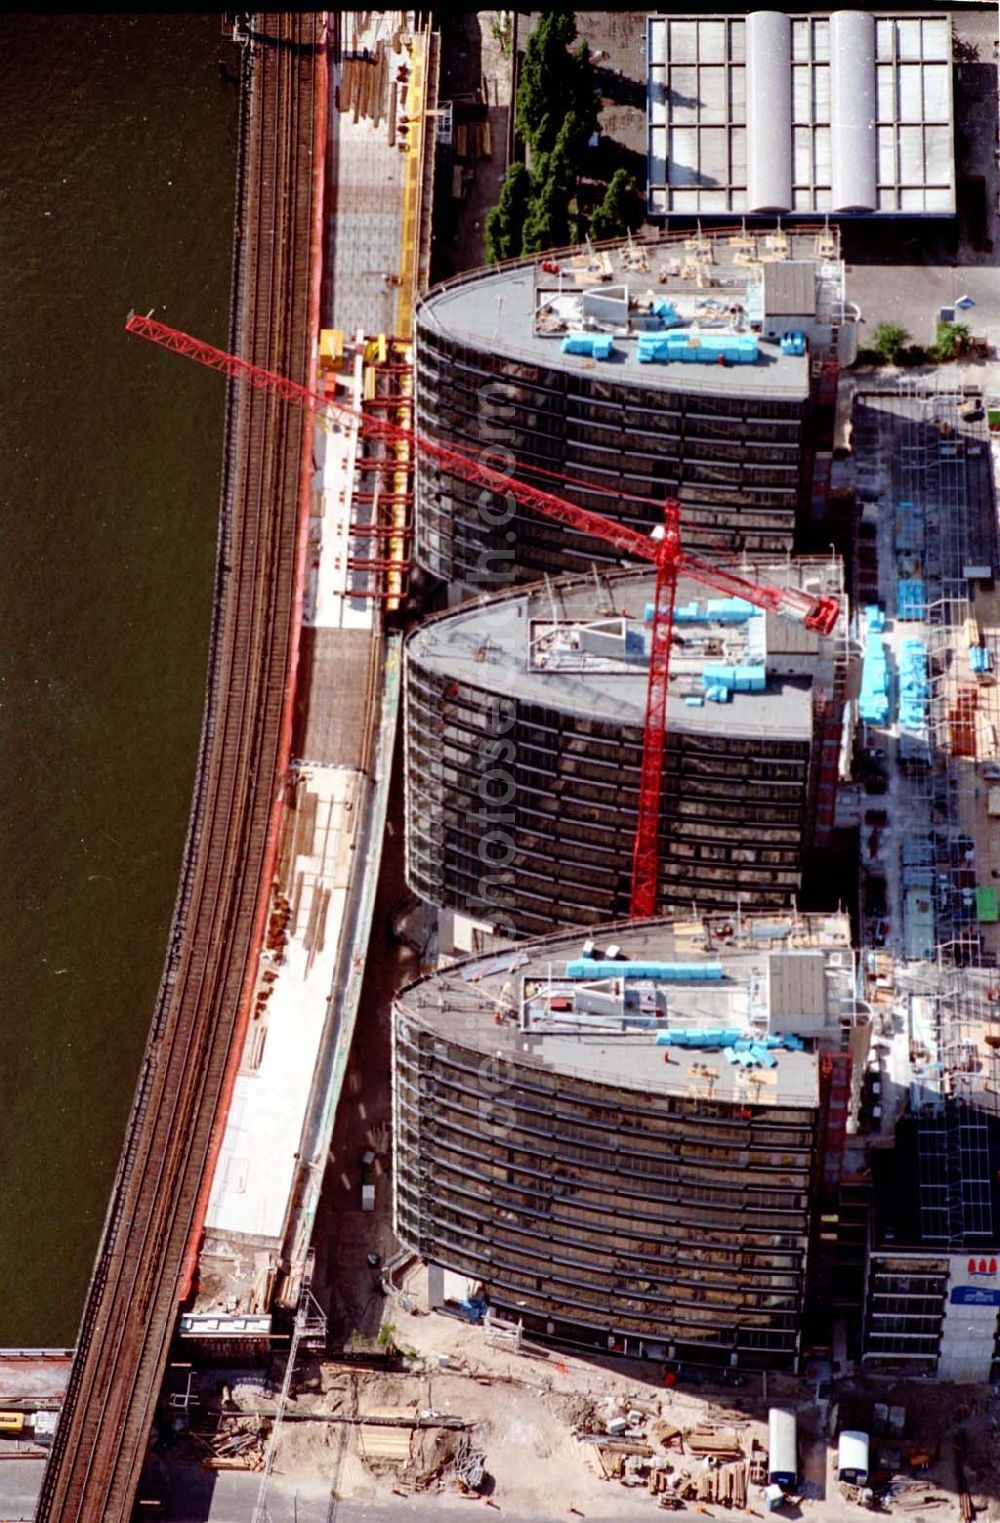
x=577, y=645
x=749, y=287
x=762, y=113
x=742, y=1002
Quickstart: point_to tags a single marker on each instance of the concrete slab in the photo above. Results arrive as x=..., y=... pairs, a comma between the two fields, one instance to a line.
x=334, y=695
x=28, y=1375
x=365, y=207
x=260, y=1147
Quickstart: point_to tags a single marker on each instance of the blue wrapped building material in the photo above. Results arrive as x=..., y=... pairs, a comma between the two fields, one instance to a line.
x=874, y=705
x=659, y=972
x=910, y=599
x=730, y=610
x=667, y=313
x=735, y=679
x=713, y=611
x=596, y=346
x=740, y=1048
x=914, y=686
x=692, y=348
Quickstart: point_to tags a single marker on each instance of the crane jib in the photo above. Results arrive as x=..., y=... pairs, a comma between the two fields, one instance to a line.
x=662, y=548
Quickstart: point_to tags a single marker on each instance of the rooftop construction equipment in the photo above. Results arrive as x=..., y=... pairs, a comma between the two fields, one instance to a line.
x=748, y=770
x=663, y=548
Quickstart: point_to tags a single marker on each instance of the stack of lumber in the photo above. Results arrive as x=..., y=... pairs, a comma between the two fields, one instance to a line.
x=666, y=1434
x=725, y=1483
x=722, y=1443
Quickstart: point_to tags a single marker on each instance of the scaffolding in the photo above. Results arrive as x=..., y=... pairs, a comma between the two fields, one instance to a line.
x=944, y=538
x=953, y=1163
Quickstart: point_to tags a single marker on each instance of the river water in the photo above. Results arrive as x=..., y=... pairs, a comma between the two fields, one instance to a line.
x=117, y=166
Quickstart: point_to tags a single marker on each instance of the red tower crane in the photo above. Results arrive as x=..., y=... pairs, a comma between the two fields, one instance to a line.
x=662, y=548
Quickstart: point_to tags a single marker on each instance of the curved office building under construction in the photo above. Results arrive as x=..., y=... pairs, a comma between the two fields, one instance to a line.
x=702, y=369
x=524, y=728
x=619, y=1154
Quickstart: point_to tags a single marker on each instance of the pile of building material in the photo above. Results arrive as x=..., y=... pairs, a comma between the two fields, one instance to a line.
x=914, y=1496
x=364, y=84
x=718, y=1443
x=237, y=1446
x=636, y=1464
x=470, y=1465
x=384, y=1443
x=608, y=1456
x=726, y=1483
x=629, y=1442
x=436, y=1458
x=666, y=1435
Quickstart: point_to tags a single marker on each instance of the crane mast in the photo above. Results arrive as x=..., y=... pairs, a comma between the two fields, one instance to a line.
x=646, y=852
x=662, y=548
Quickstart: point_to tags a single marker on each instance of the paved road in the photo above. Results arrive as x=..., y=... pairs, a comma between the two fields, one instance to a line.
x=20, y=1482
x=234, y=1496
x=198, y=1497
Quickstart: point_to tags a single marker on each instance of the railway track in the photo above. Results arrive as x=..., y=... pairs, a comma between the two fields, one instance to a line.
x=160, y=1189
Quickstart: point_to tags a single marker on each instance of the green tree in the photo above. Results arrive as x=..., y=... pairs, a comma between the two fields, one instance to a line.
x=554, y=84
x=505, y=223
x=952, y=340
x=620, y=211
x=585, y=104
x=889, y=340
x=548, y=224
x=557, y=166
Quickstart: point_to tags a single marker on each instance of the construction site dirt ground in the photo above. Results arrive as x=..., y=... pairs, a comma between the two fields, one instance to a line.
x=523, y=1413
x=522, y=1409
